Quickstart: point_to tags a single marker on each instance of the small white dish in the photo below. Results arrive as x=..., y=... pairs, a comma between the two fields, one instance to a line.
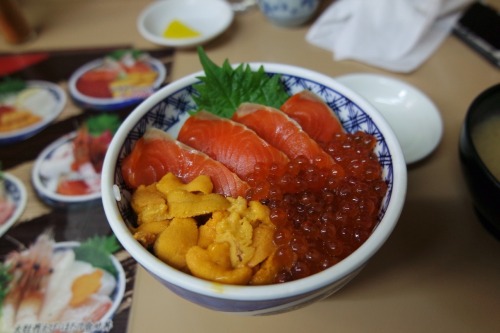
x=208, y=17
x=42, y=98
x=16, y=193
x=111, y=104
x=414, y=118
x=55, y=162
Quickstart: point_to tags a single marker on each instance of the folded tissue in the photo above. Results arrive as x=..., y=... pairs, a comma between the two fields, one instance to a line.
x=396, y=35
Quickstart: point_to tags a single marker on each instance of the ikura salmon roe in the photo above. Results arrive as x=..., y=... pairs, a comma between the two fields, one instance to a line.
x=321, y=215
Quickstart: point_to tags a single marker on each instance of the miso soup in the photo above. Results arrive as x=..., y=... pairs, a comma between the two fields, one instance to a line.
x=486, y=139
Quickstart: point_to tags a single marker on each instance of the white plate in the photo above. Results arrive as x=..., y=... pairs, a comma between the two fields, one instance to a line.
x=44, y=99
x=209, y=17
x=111, y=104
x=414, y=118
x=54, y=161
x=16, y=193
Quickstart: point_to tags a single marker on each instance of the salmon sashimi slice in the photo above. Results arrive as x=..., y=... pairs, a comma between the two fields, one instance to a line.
x=314, y=116
x=283, y=133
x=233, y=144
x=156, y=154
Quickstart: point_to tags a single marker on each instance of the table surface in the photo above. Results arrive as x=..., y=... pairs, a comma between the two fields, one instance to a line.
x=439, y=271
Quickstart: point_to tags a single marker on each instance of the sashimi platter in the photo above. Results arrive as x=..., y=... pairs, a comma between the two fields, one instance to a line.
x=252, y=175
x=61, y=287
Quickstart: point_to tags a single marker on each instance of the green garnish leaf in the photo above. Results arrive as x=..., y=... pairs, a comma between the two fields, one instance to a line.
x=97, y=250
x=11, y=86
x=98, y=124
x=119, y=54
x=2, y=183
x=224, y=88
x=5, y=278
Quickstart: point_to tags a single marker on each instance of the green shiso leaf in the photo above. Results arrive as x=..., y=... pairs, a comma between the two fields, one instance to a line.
x=5, y=278
x=2, y=183
x=97, y=251
x=224, y=88
x=10, y=86
x=98, y=124
x=119, y=54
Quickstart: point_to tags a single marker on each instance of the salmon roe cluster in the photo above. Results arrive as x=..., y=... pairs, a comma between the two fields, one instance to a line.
x=322, y=215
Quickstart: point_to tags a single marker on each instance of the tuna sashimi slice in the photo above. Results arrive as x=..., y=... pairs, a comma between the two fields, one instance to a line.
x=314, y=116
x=233, y=144
x=156, y=154
x=283, y=133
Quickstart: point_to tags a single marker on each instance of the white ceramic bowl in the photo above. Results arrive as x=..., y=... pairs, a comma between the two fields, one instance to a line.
x=208, y=17
x=163, y=109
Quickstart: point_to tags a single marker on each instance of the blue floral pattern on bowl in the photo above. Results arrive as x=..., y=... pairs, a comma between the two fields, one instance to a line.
x=288, y=12
x=171, y=110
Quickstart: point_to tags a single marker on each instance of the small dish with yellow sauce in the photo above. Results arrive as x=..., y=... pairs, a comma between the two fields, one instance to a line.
x=179, y=23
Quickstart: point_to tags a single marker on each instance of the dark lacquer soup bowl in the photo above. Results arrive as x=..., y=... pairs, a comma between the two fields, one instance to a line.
x=480, y=156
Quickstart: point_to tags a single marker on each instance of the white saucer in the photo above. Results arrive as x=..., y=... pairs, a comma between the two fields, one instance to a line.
x=208, y=17
x=413, y=117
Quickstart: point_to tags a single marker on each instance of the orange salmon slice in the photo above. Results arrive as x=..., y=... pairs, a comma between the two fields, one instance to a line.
x=156, y=154
x=314, y=116
x=233, y=144
x=282, y=132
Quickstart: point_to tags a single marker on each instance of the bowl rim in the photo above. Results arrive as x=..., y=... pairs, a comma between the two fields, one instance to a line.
x=256, y=293
x=468, y=129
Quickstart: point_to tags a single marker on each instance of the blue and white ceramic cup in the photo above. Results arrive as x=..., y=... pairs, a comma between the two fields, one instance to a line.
x=288, y=13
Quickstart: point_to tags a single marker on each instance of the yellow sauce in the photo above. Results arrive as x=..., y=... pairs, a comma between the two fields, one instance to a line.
x=177, y=29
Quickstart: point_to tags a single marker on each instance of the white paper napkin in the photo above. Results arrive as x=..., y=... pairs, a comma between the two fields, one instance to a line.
x=397, y=35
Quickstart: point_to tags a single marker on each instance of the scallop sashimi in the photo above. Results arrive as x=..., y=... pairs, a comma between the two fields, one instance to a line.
x=283, y=133
x=231, y=143
x=314, y=116
x=156, y=154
